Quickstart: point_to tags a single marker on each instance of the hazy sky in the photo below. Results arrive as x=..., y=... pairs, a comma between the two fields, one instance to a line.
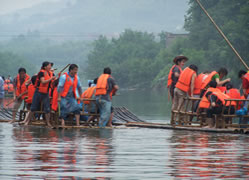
x=7, y=6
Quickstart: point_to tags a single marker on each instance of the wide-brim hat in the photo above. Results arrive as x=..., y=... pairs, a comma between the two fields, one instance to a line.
x=179, y=58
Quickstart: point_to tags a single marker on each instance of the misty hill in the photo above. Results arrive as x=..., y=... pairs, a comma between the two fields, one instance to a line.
x=89, y=18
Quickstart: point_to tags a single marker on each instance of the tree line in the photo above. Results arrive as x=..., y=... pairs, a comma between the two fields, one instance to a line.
x=140, y=59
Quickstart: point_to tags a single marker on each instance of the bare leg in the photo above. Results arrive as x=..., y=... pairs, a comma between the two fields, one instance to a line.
x=62, y=122
x=28, y=118
x=109, y=124
x=77, y=116
x=47, y=116
x=13, y=117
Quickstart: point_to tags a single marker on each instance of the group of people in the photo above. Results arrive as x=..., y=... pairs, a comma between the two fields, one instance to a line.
x=5, y=86
x=46, y=91
x=210, y=86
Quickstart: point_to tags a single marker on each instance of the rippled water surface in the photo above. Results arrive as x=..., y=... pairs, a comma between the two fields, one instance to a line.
x=121, y=153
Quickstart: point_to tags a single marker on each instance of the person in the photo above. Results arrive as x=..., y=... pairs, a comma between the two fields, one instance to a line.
x=234, y=93
x=215, y=76
x=9, y=78
x=217, y=101
x=105, y=88
x=41, y=95
x=69, y=88
x=28, y=100
x=174, y=73
x=54, y=104
x=1, y=91
x=204, y=103
x=184, y=86
x=244, y=76
x=20, y=90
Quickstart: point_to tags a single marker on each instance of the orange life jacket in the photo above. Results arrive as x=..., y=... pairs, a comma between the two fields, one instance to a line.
x=222, y=88
x=68, y=84
x=6, y=81
x=170, y=75
x=31, y=92
x=10, y=87
x=21, y=88
x=87, y=94
x=204, y=103
x=102, y=85
x=6, y=87
x=207, y=80
x=184, y=80
x=198, y=83
x=235, y=94
x=43, y=88
x=55, y=100
x=221, y=96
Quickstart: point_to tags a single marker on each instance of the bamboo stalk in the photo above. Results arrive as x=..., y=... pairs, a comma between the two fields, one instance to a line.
x=222, y=34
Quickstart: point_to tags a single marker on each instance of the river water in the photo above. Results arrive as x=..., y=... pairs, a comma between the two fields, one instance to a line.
x=123, y=153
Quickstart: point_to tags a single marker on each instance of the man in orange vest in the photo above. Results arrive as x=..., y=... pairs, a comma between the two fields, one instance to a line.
x=41, y=94
x=174, y=73
x=105, y=88
x=28, y=100
x=69, y=91
x=20, y=90
x=184, y=86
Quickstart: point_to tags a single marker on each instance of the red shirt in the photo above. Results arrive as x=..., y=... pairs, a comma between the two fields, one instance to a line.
x=245, y=83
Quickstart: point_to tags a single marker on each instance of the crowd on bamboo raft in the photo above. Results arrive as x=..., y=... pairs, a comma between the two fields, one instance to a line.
x=210, y=86
x=62, y=93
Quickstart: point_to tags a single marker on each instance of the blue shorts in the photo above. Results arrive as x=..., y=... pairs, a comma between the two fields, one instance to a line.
x=69, y=105
x=105, y=111
x=38, y=99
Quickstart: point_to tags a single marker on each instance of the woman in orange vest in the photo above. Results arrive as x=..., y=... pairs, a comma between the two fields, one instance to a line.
x=184, y=86
x=69, y=90
x=20, y=90
x=41, y=95
x=105, y=88
x=174, y=73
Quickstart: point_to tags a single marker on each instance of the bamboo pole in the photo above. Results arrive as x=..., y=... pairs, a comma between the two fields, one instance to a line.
x=222, y=34
x=63, y=69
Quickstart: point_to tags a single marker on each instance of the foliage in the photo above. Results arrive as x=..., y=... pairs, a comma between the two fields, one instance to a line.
x=10, y=64
x=131, y=57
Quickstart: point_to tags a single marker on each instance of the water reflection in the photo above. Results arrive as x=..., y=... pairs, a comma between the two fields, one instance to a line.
x=148, y=104
x=122, y=153
x=65, y=154
x=201, y=155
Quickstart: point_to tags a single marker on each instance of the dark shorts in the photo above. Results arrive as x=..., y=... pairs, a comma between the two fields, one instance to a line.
x=40, y=100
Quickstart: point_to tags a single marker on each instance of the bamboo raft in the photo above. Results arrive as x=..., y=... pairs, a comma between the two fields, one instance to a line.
x=190, y=120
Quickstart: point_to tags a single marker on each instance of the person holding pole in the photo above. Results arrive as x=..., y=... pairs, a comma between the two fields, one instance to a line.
x=20, y=90
x=41, y=94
